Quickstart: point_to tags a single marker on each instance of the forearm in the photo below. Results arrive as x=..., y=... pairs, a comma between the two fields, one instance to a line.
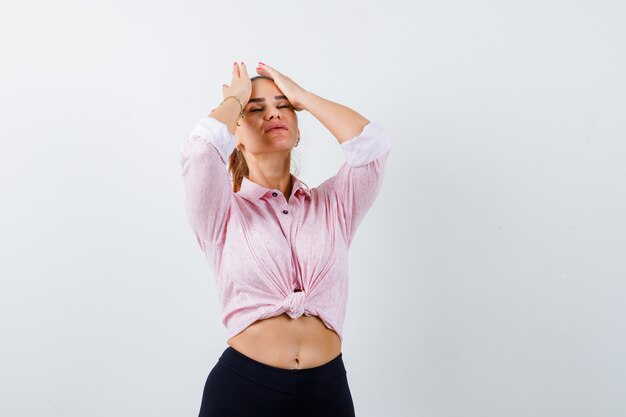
x=228, y=113
x=343, y=122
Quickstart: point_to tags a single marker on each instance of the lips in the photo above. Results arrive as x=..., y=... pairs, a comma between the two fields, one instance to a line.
x=275, y=125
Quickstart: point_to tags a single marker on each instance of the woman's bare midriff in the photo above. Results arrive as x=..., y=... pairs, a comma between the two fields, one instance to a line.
x=288, y=343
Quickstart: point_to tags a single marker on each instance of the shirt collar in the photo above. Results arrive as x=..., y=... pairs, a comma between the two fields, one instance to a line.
x=253, y=191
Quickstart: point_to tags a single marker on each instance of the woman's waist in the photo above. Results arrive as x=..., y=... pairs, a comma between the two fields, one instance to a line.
x=283, y=342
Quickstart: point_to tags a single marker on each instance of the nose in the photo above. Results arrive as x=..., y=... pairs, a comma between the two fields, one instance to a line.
x=273, y=113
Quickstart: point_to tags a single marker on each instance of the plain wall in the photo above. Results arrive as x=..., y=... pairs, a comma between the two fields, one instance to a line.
x=487, y=280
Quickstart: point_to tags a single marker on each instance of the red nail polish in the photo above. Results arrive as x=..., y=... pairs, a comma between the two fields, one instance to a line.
x=261, y=63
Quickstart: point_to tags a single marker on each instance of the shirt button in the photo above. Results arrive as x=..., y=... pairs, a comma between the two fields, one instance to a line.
x=285, y=211
x=274, y=194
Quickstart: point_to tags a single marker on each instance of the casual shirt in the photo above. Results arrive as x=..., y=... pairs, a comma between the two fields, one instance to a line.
x=270, y=254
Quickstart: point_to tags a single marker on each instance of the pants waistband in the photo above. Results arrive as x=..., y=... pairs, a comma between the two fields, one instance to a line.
x=281, y=379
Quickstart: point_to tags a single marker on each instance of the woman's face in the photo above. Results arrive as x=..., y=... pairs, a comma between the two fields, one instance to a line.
x=264, y=108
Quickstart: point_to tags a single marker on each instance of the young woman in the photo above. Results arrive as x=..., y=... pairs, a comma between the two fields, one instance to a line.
x=278, y=249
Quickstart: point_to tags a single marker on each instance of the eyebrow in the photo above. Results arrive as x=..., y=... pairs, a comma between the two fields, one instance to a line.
x=263, y=98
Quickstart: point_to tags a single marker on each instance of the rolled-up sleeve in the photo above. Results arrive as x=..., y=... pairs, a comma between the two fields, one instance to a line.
x=357, y=183
x=208, y=189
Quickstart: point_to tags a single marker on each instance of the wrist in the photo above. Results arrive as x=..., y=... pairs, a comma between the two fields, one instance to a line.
x=241, y=99
x=235, y=98
x=305, y=99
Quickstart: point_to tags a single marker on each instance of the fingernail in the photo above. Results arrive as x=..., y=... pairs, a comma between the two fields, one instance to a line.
x=235, y=63
x=261, y=63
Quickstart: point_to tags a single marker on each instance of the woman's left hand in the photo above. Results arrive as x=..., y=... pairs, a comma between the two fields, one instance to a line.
x=290, y=89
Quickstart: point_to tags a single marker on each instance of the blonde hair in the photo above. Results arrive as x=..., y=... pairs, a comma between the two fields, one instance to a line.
x=238, y=168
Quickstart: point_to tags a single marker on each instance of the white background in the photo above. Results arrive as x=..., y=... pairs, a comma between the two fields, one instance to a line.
x=487, y=280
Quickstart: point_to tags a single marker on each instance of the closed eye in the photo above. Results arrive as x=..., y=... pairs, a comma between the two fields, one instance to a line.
x=280, y=107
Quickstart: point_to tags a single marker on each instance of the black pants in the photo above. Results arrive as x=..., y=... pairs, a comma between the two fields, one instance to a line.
x=239, y=386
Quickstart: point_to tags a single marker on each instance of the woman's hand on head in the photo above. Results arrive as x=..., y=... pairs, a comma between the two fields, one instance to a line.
x=290, y=89
x=240, y=85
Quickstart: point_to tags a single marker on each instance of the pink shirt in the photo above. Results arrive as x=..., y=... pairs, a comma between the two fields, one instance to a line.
x=270, y=255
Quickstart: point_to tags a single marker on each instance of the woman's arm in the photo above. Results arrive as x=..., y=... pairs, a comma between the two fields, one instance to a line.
x=208, y=190
x=366, y=148
x=343, y=122
x=204, y=158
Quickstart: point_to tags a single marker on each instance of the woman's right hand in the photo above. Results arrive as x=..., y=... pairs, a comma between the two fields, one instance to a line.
x=240, y=85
